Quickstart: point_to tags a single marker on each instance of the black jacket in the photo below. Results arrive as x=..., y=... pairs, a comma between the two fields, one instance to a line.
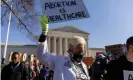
x=117, y=69
x=19, y=73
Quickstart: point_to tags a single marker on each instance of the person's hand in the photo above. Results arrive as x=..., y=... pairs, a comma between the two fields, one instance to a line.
x=44, y=24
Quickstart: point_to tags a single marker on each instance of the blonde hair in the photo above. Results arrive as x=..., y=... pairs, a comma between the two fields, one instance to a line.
x=75, y=40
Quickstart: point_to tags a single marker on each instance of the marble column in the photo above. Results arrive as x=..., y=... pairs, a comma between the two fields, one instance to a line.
x=49, y=44
x=87, y=49
x=60, y=45
x=66, y=45
x=54, y=45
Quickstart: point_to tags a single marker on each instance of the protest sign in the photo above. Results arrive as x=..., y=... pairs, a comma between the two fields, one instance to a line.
x=115, y=49
x=128, y=75
x=64, y=10
x=10, y=56
x=24, y=58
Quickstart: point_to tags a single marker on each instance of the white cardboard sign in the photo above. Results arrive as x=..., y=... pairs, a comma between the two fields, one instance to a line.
x=64, y=10
x=128, y=75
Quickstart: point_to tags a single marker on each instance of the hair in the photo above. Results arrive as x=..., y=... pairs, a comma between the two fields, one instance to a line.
x=15, y=53
x=75, y=40
x=129, y=42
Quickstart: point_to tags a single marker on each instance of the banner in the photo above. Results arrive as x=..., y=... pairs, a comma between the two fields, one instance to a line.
x=20, y=55
x=24, y=58
x=32, y=58
x=88, y=60
x=97, y=53
x=64, y=10
x=115, y=49
x=10, y=56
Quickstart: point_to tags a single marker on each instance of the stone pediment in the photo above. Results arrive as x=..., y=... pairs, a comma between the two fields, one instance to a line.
x=69, y=29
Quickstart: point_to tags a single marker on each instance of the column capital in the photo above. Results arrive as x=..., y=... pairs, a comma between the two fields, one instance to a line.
x=54, y=37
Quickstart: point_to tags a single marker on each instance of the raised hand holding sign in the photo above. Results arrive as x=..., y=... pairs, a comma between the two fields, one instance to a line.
x=44, y=24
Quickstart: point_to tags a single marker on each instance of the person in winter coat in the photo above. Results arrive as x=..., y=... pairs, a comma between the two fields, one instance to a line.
x=15, y=70
x=122, y=68
x=65, y=67
x=50, y=75
x=37, y=70
x=32, y=73
x=43, y=73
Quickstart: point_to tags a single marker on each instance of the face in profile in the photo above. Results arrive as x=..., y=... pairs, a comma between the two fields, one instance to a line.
x=15, y=58
x=129, y=45
x=130, y=50
x=79, y=49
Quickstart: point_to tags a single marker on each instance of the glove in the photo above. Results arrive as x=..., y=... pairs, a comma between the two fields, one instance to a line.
x=42, y=38
x=44, y=24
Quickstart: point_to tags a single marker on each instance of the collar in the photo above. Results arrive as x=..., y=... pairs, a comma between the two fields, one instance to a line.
x=15, y=65
x=82, y=63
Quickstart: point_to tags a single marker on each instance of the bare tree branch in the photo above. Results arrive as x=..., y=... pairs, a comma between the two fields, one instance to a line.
x=27, y=17
x=3, y=15
x=18, y=18
x=24, y=7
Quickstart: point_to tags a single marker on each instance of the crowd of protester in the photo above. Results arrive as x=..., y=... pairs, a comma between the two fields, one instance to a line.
x=32, y=70
x=71, y=67
x=101, y=68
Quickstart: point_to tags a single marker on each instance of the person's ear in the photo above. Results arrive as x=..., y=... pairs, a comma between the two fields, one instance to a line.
x=131, y=48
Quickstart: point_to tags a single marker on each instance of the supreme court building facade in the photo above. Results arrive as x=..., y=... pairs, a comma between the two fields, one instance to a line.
x=58, y=39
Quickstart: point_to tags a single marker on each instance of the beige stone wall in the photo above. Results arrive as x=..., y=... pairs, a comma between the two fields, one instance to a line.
x=57, y=42
x=29, y=49
x=60, y=37
x=32, y=49
x=92, y=51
